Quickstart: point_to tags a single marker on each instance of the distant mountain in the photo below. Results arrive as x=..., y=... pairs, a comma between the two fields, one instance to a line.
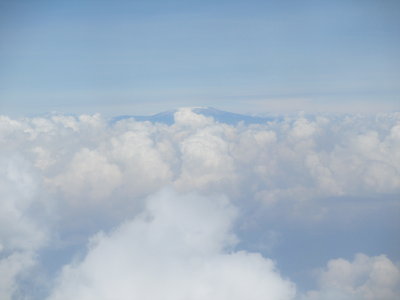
x=167, y=117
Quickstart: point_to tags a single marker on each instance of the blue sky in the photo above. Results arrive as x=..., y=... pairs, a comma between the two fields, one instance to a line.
x=143, y=57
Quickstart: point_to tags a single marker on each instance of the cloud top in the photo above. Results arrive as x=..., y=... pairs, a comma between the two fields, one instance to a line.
x=179, y=248
x=364, y=278
x=64, y=179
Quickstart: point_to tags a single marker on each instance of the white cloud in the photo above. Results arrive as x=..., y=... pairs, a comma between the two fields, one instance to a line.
x=364, y=278
x=179, y=248
x=63, y=178
x=89, y=175
x=186, y=117
x=20, y=232
x=83, y=160
x=297, y=158
x=11, y=267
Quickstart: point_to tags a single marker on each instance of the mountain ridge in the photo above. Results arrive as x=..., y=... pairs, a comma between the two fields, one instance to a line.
x=167, y=117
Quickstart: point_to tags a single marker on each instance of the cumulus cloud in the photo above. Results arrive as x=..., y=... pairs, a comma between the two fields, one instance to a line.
x=364, y=278
x=88, y=175
x=179, y=248
x=20, y=232
x=299, y=158
x=64, y=178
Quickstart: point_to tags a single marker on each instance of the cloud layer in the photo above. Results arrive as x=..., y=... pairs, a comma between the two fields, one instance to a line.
x=307, y=157
x=66, y=178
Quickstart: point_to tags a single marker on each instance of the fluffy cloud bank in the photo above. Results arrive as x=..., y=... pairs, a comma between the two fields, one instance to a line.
x=179, y=248
x=295, y=159
x=365, y=278
x=65, y=178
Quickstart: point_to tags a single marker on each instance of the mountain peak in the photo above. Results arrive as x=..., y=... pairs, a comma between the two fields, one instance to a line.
x=167, y=117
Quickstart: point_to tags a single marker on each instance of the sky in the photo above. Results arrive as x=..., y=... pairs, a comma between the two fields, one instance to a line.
x=300, y=205
x=149, y=56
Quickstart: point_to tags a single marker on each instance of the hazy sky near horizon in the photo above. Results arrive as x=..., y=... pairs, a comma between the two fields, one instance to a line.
x=143, y=57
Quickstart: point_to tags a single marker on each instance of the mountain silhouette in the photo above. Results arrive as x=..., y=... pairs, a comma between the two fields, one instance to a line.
x=221, y=116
